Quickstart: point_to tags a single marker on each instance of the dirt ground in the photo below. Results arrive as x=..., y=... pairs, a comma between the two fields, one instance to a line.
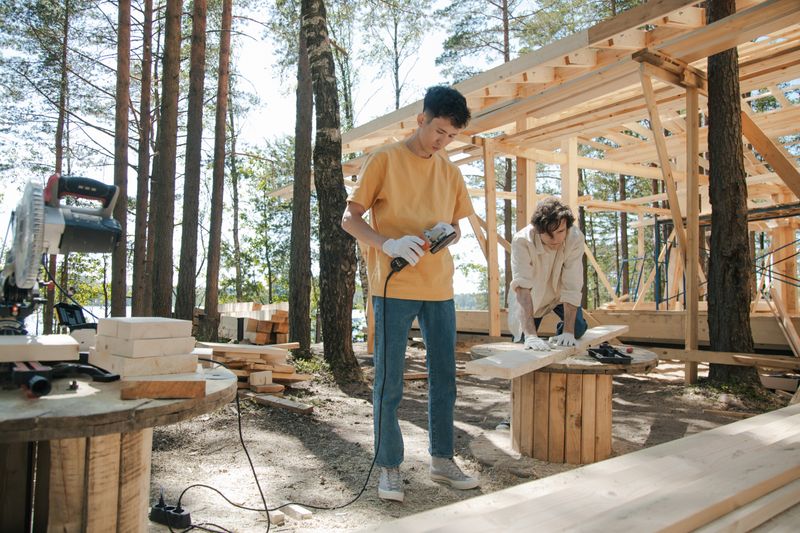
x=322, y=459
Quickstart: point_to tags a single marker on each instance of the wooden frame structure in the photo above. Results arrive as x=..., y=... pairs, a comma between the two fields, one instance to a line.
x=618, y=87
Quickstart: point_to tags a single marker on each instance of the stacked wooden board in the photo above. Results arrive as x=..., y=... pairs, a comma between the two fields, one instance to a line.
x=254, y=322
x=731, y=478
x=144, y=346
x=262, y=369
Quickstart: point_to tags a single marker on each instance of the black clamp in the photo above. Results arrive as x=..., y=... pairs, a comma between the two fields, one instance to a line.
x=605, y=353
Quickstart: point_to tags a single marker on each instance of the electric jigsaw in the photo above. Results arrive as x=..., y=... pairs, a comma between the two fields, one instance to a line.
x=42, y=224
x=435, y=239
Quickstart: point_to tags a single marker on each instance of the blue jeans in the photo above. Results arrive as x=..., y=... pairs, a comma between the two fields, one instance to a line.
x=580, y=323
x=393, y=319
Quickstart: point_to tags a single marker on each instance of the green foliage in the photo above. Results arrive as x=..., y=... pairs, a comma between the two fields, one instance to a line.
x=89, y=278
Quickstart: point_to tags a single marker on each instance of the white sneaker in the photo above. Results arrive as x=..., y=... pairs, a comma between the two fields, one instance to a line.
x=390, y=484
x=447, y=471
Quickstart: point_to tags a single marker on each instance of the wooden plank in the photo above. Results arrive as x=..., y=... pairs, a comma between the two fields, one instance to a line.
x=163, y=389
x=516, y=414
x=15, y=485
x=673, y=474
x=67, y=484
x=140, y=327
x=602, y=443
x=509, y=360
x=527, y=394
x=772, y=153
x=134, y=479
x=574, y=421
x=557, y=418
x=588, y=416
x=692, y=228
x=38, y=348
x=786, y=322
x=102, y=483
x=297, y=512
x=263, y=377
x=491, y=238
x=291, y=378
x=282, y=403
x=755, y=513
x=541, y=414
x=144, y=366
x=268, y=388
x=763, y=361
x=663, y=157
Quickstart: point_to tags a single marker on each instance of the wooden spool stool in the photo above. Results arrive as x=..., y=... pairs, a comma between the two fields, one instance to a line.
x=562, y=412
x=80, y=460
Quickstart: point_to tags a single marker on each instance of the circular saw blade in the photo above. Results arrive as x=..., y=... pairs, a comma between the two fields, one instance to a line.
x=29, y=236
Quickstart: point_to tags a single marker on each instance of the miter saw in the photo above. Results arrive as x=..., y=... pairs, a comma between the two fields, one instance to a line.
x=43, y=225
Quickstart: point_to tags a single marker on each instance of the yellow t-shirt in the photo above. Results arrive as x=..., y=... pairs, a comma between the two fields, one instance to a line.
x=407, y=194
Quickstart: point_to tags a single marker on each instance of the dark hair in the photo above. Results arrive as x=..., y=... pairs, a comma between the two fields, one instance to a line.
x=442, y=101
x=548, y=215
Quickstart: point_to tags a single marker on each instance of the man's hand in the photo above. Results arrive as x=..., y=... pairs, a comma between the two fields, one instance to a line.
x=444, y=228
x=533, y=342
x=565, y=339
x=408, y=247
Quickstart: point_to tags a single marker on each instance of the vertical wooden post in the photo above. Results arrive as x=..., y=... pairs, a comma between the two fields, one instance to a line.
x=569, y=174
x=558, y=415
x=602, y=447
x=541, y=415
x=588, y=414
x=526, y=184
x=15, y=486
x=134, y=480
x=491, y=238
x=692, y=255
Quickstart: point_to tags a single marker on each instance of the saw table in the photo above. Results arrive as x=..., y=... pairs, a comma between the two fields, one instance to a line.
x=79, y=460
x=560, y=400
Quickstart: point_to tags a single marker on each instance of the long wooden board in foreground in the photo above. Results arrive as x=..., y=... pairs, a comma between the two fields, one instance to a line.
x=747, y=469
x=510, y=360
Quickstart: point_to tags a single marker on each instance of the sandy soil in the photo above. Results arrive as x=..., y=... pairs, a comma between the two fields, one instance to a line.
x=322, y=459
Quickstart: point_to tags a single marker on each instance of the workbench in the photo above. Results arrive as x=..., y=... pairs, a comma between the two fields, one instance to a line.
x=561, y=412
x=79, y=460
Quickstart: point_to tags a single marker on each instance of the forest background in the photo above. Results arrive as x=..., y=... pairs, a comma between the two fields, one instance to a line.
x=59, y=91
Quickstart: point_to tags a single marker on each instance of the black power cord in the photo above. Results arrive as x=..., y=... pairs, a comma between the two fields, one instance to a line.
x=250, y=461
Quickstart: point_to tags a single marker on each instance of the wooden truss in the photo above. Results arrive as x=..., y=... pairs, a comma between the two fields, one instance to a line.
x=634, y=89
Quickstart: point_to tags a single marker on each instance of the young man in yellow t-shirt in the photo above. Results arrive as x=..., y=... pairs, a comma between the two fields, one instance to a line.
x=410, y=187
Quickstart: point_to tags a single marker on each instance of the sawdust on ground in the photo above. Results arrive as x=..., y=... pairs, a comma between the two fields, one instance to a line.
x=322, y=459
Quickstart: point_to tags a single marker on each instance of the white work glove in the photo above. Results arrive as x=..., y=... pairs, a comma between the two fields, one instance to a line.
x=565, y=339
x=444, y=228
x=532, y=342
x=408, y=247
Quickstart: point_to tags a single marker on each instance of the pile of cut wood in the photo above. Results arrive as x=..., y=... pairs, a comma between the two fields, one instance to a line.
x=262, y=369
x=254, y=322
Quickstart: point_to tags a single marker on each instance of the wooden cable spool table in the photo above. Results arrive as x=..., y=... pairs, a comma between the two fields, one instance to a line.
x=79, y=460
x=562, y=412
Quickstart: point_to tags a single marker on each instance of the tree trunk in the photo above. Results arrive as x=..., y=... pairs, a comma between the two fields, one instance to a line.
x=119, y=257
x=187, y=275
x=337, y=248
x=139, y=288
x=730, y=266
x=237, y=247
x=47, y=316
x=165, y=171
x=300, y=254
x=218, y=186
x=582, y=226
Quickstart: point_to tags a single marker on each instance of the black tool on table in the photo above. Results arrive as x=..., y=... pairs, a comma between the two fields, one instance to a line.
x=605, y=353
x=37, y=378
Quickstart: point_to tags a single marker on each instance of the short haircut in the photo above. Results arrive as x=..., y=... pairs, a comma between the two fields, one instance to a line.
x=446, y=102
x=548, y=215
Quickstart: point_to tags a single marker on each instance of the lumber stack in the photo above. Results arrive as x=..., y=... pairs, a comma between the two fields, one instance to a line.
x=262, y=369
x=254, y=322
x=731, y=478
x=144, y=346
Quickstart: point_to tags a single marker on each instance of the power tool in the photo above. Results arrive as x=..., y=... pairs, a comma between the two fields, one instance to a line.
x=435, y=239
x=42, y=224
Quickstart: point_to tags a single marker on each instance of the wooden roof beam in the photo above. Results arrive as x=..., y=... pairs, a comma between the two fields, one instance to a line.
x=688, y=17
x=776, y=158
